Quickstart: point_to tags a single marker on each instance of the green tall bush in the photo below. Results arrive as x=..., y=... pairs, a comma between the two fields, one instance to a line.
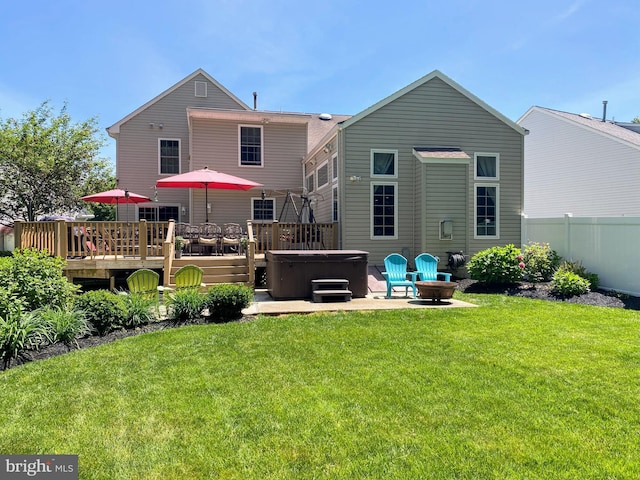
x=497, y=265
x=37, y=279
x=540, y=262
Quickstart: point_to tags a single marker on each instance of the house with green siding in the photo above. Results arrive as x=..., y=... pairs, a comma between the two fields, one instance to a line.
x=431, y=168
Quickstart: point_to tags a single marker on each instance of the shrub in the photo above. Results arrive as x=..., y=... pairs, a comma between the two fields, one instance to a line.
x=64, y=325
x=185, y=305
x=497, y=265
x=226, y=301
x=103, y=310
x=36, y=277
x=568, y=284
x=540, y=262
x=20, y=332
x=10, y=302
x=140, y=310
x=577, y=268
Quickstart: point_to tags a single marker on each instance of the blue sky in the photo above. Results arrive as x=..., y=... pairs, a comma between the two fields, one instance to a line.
x=106, y=59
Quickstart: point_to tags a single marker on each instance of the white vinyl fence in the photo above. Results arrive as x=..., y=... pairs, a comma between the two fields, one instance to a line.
x=608, y=246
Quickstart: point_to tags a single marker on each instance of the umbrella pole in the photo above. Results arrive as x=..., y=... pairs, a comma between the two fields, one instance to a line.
x=206, y=201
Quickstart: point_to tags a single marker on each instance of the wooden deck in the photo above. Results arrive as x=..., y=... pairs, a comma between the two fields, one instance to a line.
x=108, y=250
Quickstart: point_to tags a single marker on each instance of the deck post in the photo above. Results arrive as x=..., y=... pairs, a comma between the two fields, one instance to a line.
x=168, y=252
x=251, y=254
x=60, y=239
x=275, y=236
x=17, y=234
x=143, y=240
x=334, y=236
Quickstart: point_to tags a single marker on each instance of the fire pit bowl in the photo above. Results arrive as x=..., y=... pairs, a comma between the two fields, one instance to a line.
x=436, y=290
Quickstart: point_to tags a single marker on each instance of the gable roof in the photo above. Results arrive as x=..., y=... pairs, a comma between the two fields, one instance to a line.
x=422, y=81
x=606, y=128
x=115, y=128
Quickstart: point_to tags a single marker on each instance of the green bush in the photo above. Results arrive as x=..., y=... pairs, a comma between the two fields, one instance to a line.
x=568, y=284
x=103, y=310
x=20, y=332
x=36, y=278
x=540, y=262
x=225, y=301
x=64, y=325
x=577, y=268
x=141, y=310
x=497, y=265
x=184, y=305
x=10, y=302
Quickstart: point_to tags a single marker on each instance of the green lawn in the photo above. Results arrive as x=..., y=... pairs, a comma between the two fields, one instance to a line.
x=516, y=388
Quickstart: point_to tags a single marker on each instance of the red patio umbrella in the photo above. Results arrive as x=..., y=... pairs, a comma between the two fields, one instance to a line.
x=116, y=196
x=207, y=179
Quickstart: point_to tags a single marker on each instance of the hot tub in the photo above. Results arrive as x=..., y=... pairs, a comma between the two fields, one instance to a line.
x=289, y=272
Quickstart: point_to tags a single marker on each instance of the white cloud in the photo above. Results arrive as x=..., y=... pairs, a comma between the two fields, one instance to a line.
x=569, y=12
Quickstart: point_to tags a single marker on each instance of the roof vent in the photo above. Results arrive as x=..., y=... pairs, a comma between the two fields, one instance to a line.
x=585, y=115
x=325, y=116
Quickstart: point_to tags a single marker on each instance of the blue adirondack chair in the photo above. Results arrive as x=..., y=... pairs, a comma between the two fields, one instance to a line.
x=427, y=268
x=396, y=274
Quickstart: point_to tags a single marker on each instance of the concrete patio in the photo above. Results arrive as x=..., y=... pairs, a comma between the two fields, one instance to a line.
x=375, y=300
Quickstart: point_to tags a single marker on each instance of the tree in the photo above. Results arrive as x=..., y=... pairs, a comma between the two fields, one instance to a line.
x=46, y=163
x=100, y=179
x=635, y=120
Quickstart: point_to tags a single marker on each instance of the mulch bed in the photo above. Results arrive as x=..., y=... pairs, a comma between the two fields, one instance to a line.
x=542, y=291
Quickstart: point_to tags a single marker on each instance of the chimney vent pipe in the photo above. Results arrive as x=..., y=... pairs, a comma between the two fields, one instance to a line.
x=255, y=100
x=604, y=110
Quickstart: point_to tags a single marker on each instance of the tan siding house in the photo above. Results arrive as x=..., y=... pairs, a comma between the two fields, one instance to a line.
x=430, y=168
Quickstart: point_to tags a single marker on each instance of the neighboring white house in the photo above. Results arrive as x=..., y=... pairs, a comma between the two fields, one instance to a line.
x=578, y=164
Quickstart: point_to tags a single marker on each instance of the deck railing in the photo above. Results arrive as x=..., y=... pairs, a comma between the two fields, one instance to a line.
x=143, y=239
x=93, y=239
x=295, y=236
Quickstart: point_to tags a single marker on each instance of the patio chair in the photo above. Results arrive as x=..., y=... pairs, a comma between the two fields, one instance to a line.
x=396, y=274
x=427, y=266
x=211, y=237
x=181, y=231
x=191, y=234
x=187, y=277
x=231, y=237
x=144, y=282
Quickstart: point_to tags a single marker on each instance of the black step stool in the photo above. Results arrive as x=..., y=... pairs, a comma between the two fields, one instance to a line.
x=330, y=289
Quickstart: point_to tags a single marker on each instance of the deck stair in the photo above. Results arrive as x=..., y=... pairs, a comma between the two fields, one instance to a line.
x=330, y=289
x=217, y=269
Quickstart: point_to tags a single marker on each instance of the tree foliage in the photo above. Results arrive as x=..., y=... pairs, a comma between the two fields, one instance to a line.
x=635, y=120
x=47, y=162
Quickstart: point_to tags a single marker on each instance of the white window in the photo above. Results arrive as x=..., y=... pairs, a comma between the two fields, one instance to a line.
x=487, y=208
x=310, y=183
x=158, y=213
x=334, y=167
x=263, y=209
x=384, y=163
x=201, y=89
x=250, y=145
x=384, y=210
x=323, y=174
x=486, y=166
x=168, y=156
x=334, y=203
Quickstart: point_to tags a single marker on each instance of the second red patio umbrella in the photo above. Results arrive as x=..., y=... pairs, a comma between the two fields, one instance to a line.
x=116, y=196
x=207, y=179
